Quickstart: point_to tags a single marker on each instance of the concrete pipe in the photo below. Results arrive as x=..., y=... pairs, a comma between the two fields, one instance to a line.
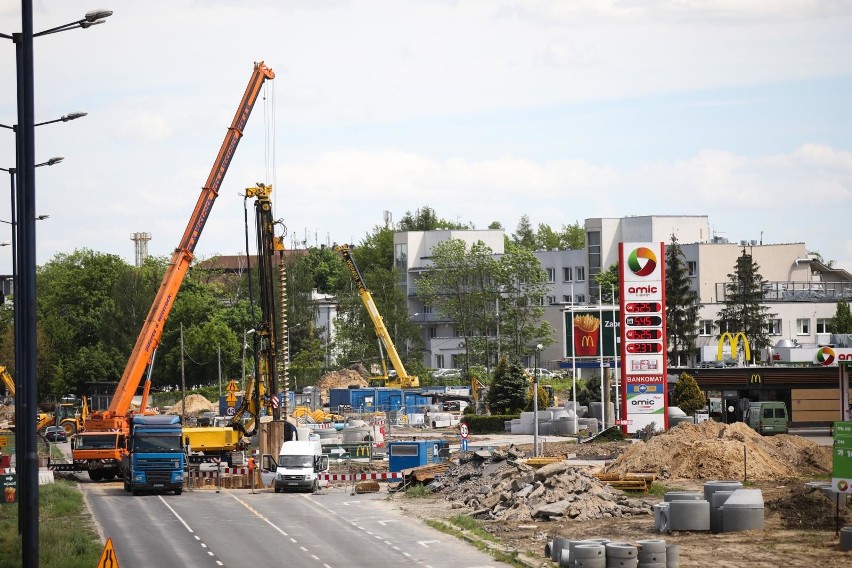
x=621, y=550
x=689, y=516
x=586, y=551
x=622, y=563
x=711, y=487
x=846, y=538
x=672, y=556
x=682, y=496
x=651, y=545
x=599, y=562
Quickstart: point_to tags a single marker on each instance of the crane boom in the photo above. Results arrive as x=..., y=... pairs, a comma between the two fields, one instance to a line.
x=378, y=323
x=152, y=330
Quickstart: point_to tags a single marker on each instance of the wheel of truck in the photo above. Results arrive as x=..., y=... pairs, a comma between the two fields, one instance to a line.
x=95, y=474
x=135, y=493
x=109, y=476
x=70, y=427
x=179, y=491
x=126, y=486
x=277, y=489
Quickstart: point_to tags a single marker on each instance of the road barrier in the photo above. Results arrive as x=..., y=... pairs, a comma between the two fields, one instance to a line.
x=386, y=476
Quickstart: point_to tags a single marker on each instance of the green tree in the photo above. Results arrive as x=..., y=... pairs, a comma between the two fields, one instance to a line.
x=522, y=285
x=842, y=320
x=508, y=391
x=573, y=237
x=607, y=281
x=425, y=219
x=589, y=391
x=524, y=235
x=459, y=285
x=687, y=395
x=570, y=237
x=743, y=311
x=681, y=307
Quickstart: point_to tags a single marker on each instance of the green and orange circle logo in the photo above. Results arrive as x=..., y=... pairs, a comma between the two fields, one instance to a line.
x=842, y=486
x=825, y=355
x=642, y=261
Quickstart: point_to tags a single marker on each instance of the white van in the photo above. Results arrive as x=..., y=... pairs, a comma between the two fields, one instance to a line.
x=297, y=468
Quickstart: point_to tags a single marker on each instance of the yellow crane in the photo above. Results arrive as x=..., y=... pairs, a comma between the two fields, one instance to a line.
x=402, y=379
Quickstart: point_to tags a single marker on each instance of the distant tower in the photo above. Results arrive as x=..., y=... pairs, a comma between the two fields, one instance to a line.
x=141, y=240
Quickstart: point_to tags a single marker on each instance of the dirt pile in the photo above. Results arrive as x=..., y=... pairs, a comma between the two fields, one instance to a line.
x=342, y=379
x=807, y=508
x=712, y=450
x=500, y=488
x=195, y=404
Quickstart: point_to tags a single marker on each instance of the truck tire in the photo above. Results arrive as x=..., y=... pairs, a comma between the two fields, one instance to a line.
x=109, y=476
x=134, y=491
x=179, y=491
x=126, y=485
x=95, y=474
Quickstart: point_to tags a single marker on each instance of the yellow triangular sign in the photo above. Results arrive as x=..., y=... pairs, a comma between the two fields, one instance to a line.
x=108, y=557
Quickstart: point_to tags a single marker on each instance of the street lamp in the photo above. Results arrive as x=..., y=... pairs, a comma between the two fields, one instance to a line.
x=538, y=349
x=25, y=309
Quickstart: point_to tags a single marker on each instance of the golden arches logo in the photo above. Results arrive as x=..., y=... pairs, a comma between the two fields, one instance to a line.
x=756, y=378
x=362, y=450
x=734, y=341
x=587, y=341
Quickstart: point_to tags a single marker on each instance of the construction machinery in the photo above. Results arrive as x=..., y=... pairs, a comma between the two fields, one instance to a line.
x=99, y=448
x=402, y=378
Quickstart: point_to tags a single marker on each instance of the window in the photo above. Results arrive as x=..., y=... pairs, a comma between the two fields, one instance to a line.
x=691, y=268
x=401, y=256
x=775, y=327
x=723, y=327
x=581, y=299
x=705, y=327
x=822, y=325
x=567, y=274
x=567, y=299
x=540, y=301
x=551, y=274
x=803, y=326
x=457, y=331
x=427, y=309
x=580, y=271
x=433, y=332
x=551, y=300
x=439, y=361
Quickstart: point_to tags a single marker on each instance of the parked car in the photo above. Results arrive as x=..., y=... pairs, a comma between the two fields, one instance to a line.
x=55, y=434
x=542, y=373
x=446, y=373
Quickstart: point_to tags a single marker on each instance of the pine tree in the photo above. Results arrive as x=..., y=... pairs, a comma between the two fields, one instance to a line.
x=508, y=391
x=743, y=311
x=687, y=395
x=681, y=307
x=842, y=320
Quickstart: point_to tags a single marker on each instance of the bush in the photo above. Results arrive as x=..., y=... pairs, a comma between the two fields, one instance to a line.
x=494, y=424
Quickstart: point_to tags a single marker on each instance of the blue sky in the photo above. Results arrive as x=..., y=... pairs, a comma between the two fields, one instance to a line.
x=483, y=110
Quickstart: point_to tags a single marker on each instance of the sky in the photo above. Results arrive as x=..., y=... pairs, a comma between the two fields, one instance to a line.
x=561, y=110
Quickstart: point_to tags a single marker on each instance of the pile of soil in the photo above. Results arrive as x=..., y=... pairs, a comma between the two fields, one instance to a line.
x=195, y=404
x=806, y=508
x=712, y=450
x=342, y=379
x=7, y=415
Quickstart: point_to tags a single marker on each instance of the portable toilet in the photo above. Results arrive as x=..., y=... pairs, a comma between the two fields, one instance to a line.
x=405, y=454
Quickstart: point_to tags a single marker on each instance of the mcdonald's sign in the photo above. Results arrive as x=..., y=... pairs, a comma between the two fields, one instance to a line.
x=756, y=378
x=734, y=340
x=363, y=451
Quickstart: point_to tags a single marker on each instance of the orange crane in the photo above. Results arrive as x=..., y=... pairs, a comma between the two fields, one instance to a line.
x=100, y=447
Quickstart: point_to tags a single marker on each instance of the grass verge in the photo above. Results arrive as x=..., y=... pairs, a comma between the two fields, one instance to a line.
x=66, y=538
x=467, y=529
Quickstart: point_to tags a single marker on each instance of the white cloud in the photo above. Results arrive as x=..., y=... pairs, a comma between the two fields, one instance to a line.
x=146, y=126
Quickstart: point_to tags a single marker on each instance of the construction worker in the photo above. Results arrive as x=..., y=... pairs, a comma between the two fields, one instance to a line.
x=252, y=464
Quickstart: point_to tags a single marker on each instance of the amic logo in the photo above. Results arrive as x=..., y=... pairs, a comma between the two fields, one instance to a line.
x=642, y=261
x=825, y=355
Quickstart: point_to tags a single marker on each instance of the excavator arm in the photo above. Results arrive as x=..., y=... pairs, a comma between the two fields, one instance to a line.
x=7, y=380
x=152, y=330
x=405, y=380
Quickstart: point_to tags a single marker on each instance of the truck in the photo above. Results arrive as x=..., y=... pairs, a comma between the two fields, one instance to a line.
x=297, y=468
x=767, y=417
x=114, y=422
x=155, y=458
x=402, y=379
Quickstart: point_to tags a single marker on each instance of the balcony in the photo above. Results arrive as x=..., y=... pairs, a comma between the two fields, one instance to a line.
x=785, y=291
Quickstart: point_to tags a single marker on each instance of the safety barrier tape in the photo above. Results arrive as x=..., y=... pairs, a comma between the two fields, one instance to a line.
x=224, y=471
x=386, y=476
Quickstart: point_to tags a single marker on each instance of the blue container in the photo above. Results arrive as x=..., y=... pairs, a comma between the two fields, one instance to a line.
x=415, y=453
x=388, y=400
x=338, y=398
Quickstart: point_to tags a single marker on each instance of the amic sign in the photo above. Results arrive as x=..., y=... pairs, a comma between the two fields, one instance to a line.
x=642, y=291
x=841, y=472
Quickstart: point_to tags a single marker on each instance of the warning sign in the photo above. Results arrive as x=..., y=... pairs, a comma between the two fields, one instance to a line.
x=108, y=557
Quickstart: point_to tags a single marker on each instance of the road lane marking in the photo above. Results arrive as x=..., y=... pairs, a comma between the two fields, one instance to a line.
x=426, y=543
x=192, y=532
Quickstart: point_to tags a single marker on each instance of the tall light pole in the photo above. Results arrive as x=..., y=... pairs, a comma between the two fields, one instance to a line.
x=246, y=333
x=538, y=349
x=26, y=262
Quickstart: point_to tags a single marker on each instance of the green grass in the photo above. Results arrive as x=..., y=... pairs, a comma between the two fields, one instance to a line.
x=458, y=526
x=417, y=491
x=66, y=538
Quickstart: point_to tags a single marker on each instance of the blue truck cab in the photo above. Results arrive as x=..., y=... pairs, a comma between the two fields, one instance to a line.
x=155, y=457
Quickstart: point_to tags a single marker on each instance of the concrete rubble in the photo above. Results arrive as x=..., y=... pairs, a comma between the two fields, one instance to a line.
x=501, y=486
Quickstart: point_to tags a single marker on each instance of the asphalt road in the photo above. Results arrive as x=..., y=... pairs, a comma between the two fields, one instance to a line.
x=237, y=528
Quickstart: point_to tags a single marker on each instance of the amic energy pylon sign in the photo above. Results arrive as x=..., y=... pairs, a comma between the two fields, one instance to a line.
x=642, y=300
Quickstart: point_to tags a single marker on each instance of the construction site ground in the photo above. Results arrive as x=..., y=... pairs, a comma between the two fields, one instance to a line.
x=799, y=521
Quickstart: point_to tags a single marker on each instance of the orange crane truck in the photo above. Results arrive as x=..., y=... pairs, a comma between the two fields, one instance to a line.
x=100, y=447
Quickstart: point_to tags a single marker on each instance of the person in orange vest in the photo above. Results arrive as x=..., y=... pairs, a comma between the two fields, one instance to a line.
x=252, y=464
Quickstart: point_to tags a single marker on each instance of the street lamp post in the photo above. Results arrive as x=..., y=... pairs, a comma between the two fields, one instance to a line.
x=26, y=262
x=538, y=349
x=246, y=333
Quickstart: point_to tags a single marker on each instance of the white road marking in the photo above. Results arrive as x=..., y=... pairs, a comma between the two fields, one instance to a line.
x=384, y=523
x=426, y=543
